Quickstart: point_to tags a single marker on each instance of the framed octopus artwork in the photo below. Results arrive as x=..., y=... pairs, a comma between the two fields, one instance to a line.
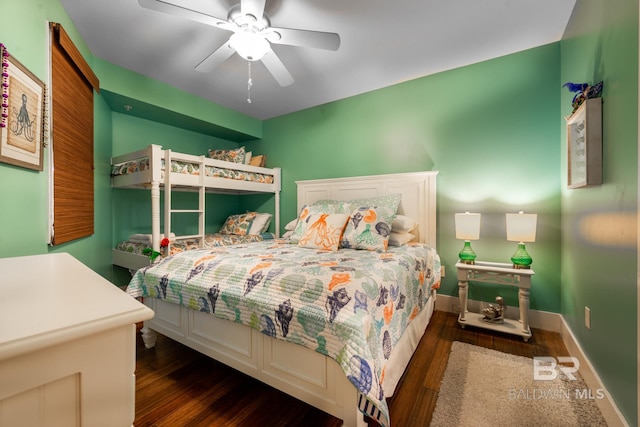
x=22, y=112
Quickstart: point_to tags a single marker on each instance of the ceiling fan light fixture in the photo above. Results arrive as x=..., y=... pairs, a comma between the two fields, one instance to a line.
x=249, y=45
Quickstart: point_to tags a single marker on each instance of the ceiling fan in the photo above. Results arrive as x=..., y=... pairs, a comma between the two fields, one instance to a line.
x=252, y=35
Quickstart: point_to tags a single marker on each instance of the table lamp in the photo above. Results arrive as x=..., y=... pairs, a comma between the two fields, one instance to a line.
x=521, y=228
x=467, y=229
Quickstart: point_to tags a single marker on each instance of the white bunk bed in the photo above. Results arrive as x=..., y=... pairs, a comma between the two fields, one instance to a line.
x=300, y=371
x=145, y=169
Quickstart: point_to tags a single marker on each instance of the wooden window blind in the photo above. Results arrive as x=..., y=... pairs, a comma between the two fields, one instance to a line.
x=72, y=85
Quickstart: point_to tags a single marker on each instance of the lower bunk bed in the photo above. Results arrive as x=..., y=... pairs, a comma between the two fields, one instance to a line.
x=335, y=329
x=136, y=252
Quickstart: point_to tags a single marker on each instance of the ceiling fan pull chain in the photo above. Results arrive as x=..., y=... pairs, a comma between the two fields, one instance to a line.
x=249, y=84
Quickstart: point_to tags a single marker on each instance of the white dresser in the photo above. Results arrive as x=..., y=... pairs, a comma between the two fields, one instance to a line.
x=67, y=345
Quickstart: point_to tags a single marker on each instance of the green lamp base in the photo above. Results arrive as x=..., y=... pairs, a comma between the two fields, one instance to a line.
x=467, y=255
x=520, y=258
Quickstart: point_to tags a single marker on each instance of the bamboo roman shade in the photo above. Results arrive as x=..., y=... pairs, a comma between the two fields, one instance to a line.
x=72, y=85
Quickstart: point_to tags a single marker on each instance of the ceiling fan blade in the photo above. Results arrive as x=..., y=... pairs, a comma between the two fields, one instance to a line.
x=183, y=12
x=305, y=38
x=253, y=7
x=215, y=59
x=277, y=68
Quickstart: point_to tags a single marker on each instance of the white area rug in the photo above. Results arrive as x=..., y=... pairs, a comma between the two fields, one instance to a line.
x=483, y=387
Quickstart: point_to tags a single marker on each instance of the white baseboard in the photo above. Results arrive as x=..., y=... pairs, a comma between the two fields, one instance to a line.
x=553, y=322
x=607, y=406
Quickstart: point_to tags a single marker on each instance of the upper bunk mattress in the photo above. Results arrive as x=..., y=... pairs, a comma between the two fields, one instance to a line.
x=188, y=168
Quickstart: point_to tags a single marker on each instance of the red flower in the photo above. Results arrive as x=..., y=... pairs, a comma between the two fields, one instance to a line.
x=164, y=243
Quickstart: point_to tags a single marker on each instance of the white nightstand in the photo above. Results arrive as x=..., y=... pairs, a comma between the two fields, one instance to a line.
x=497, y=273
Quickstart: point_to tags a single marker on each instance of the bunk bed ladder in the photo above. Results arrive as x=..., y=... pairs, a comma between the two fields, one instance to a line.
x=169, y=211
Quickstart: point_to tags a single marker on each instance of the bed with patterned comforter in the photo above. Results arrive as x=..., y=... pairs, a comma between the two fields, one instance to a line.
x=350, y=305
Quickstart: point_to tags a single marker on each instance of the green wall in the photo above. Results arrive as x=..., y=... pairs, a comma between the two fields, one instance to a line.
x=599, y=245
x=24, y=193
x=494, y=131
x=490, y=129
x=157, y=101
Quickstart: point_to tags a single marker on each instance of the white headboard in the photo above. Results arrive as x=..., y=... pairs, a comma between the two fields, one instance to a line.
x=418, y=191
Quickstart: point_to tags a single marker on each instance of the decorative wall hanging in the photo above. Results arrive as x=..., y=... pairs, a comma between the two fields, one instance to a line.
x=22, y=114
x=582, y=92
x=584, y=144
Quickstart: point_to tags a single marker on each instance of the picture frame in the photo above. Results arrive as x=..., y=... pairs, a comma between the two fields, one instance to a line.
x=584, y=145
x=21, y=133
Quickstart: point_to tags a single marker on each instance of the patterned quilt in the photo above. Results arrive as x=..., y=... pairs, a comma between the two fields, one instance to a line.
x=351, y=305
x=142, y=164
x=210, y=240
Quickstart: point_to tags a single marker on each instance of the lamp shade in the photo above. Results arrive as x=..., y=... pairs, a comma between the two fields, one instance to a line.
x=521, y=227
x=249, y=45
x=467, y=226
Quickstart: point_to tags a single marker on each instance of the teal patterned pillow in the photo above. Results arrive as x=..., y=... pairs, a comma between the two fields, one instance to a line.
x=368, y=228
x=238, y=224
x=390, y=201
x=235, y=156
x=333, y=206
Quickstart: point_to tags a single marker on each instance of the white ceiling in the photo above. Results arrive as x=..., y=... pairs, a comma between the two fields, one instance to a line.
x=382, y=43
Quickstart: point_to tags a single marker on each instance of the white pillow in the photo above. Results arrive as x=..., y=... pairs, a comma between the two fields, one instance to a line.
x=291, y=225
x=247, y=157
x=260, y=223
x=399, y=239
x=403, y=224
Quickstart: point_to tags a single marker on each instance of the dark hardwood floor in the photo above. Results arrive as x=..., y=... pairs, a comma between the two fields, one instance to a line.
x=177, y=386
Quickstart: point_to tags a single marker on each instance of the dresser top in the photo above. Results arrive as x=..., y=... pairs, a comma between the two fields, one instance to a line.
x=52, y=298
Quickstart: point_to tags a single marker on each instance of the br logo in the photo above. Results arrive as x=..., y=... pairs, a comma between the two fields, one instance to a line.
x=548, y=368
